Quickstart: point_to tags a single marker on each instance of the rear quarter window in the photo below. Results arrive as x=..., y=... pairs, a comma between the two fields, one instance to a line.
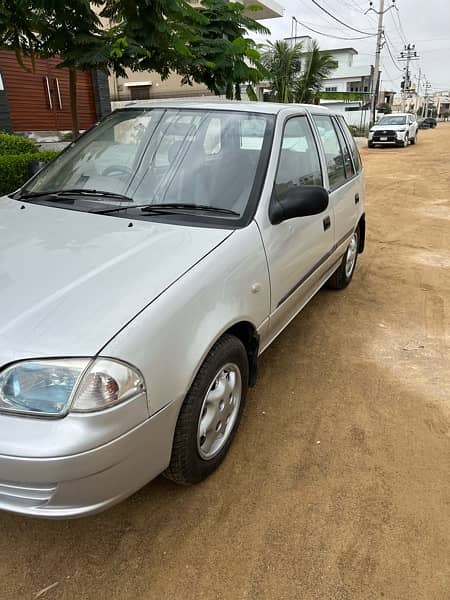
x=352, y=144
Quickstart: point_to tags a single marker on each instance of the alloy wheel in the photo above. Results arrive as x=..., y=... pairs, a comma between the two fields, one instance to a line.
x=352, y=252
x=219, y=411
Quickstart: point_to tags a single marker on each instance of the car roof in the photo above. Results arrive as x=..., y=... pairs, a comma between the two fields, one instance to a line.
x=254, y=107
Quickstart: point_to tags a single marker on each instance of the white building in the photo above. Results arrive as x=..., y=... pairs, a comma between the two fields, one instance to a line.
x=348, y=77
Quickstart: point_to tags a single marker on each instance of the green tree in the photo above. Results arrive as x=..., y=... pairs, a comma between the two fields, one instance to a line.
x=297, y=75
x=150, y=35
x=317, y=66
x=222, y=57
x=208, y=45
x=384, y=108
x=283, y=64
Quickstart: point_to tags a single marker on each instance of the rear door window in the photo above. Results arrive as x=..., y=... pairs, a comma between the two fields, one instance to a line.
x=351, y=144
x=348, y=163
x=333, y=151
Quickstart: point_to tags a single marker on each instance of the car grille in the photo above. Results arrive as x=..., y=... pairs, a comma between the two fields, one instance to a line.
x=26, y=494
x=390, y=135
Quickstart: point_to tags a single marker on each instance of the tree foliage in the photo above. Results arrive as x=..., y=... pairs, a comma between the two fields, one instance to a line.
x=150, y=35
x=222, y=56
x=208, y=45
x=317, y=66
x=283, y=64
x=296, y=74
x=384, y=108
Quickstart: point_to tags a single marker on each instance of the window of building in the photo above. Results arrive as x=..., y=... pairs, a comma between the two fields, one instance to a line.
x=299, y=158
x=139, y=92
x=331, y=89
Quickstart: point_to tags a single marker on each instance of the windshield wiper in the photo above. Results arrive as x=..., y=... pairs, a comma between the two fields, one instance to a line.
x=170, y=207
x=55, y=195
x=182, y=206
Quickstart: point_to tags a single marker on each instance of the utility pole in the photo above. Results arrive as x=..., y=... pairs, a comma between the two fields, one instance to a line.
x=376, y=72
x=407, y=55
x=427, y=88
x=416, y=104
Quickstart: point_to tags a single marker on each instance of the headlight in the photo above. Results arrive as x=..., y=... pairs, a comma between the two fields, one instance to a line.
x=401, y=132
x=53, y=387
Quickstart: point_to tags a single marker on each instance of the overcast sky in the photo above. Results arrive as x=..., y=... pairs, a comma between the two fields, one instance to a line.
x=425, y=23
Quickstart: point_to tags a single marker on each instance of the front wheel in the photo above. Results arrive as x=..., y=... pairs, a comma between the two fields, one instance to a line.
x=343, y=275
x=210, y=414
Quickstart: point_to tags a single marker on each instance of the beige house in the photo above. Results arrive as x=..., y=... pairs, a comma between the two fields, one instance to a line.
x=147, y=85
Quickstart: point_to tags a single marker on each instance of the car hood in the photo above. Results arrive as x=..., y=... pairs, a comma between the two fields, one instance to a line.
x=389, y=127
x=70, y=280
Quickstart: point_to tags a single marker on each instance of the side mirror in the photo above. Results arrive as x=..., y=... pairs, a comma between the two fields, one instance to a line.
x=302, y=201
x=35, y=166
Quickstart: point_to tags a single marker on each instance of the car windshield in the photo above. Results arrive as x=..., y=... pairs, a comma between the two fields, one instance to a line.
x=392, y=120
x=160, y=156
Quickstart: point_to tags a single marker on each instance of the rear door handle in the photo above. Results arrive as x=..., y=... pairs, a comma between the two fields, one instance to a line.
x=326, y=223
x=356, y=198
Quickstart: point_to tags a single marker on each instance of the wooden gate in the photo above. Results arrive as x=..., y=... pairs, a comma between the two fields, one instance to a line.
x=39, y=99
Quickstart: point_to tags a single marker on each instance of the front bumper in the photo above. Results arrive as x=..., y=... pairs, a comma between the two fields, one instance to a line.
x=387, y=138
x=88, y=482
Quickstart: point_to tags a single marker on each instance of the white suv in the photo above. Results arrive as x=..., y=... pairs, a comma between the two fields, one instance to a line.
x=397, y=129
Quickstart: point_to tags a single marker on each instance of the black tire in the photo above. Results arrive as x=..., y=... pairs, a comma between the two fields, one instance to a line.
x=340, y=279
x=414, y=140
x=404, y=143
x=370, y=144
x=186, y=465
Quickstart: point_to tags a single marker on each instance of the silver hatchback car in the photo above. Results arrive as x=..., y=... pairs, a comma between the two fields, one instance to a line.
x=143, y=272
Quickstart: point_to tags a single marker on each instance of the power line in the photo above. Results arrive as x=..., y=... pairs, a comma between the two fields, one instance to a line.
x=391, y=55
x=402, y=31
x=368, y=33
x=337, y=37
x=401, y=36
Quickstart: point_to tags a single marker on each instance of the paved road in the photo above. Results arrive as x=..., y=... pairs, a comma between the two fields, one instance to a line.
x=337, y=486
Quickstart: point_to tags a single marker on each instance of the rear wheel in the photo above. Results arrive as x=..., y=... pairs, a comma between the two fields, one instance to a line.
x=343, y=275
x=414, y=140
x=210, y=414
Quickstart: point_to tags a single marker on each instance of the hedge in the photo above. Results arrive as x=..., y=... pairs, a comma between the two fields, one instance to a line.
x=14, y=169
x=16, y=144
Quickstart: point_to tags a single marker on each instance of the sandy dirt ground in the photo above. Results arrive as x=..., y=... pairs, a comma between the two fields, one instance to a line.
x=338, y=483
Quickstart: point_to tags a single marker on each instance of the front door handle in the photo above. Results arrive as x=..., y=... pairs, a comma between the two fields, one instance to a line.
x=326, y=223
x=356, y=198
